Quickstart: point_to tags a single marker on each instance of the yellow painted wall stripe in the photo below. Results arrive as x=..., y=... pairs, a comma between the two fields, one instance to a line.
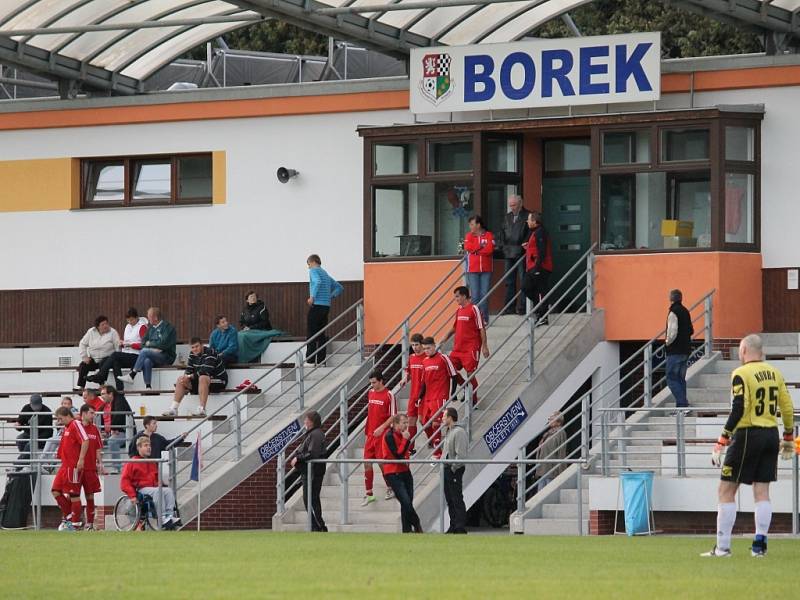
x=218, y=181
x=42, y=184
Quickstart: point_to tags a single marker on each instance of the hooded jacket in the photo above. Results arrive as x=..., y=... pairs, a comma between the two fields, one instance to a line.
x=255, y=316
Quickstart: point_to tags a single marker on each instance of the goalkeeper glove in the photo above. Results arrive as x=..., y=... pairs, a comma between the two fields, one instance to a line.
x=719, y=449
x=787, y=446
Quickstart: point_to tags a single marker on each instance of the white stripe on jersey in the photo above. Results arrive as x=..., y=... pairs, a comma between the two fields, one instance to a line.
x=478, y=316
x=392, y=403
x=450, y=368
x=81, y=431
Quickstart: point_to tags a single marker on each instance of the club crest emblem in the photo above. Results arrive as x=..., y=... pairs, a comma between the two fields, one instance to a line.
x=436, y=84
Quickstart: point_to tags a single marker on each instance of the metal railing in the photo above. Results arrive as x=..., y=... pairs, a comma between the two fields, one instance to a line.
x=634, y=383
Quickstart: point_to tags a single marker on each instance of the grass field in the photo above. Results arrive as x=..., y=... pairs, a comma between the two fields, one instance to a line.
x=268, y=565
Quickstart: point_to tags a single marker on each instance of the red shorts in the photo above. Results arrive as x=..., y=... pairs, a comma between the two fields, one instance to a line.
x=67, y=481
x=465, y=360
x=372, y=447
x=430, y=408
x=91, y=483
x=414, y=406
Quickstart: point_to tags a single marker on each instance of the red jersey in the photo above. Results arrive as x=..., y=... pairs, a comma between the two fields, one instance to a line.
x=95, y=444
x=138, y=475
x=438, y=373
x=479, y=248
x=468, y=325
x=69, y=449
x=415, y=372
x=539, y=249
x=381, y=406
x=395, y=447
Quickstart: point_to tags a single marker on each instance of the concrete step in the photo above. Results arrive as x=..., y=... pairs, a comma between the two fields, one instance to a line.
x=555, y=526
x=570, y=496
x=564, y=511
x=711, y=380
x=361, y=517
x=708, y=396
x=781, y=339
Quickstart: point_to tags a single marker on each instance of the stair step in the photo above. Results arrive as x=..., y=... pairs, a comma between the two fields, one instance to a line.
x=555, y=526
x=360, y=517
x=564, y=511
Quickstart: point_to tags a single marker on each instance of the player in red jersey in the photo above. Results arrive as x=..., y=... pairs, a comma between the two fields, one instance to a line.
x=438, y=373
x=380, y=408
x=72, y=449
x=414, y=374
x=90, y=481
x=470, y=340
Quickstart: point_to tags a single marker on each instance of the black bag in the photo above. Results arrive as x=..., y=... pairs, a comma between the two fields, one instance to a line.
x=16, y=503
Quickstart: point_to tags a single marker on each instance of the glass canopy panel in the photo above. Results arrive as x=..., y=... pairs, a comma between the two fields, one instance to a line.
x=85, y=13
x=471, y=29
x=439, y=20
x=529, y=20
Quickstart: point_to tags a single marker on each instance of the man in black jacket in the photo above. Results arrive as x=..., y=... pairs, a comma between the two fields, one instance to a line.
x=679, y=345
x=43, y=426
x=513, y=234
x=205, y=374
x=158, y=443
x=255, y=314
x=120, y=422
x=313, y=447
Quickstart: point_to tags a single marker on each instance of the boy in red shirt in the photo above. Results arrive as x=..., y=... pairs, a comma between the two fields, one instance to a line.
x=72, y=448
x=380, y=409
x=414, y=372
x=142, y=477
x=470, y=340
x=90, y=466
x=438, y=373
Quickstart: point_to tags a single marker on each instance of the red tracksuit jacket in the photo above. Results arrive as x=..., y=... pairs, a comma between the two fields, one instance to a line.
x=136, y=476
x=539, y=251
x=479, y=250
x=395, y=447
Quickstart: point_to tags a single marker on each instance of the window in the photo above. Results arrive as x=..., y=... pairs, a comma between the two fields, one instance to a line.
x=567, y=155
x=147, y=181
x=685, y=145
x=395, y=159
x=502, y=156
x=740, y=143
x=739, y=208
x=445, y=157
x=626, y=147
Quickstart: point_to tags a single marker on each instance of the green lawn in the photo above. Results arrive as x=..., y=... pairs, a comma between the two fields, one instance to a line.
x=269, y=565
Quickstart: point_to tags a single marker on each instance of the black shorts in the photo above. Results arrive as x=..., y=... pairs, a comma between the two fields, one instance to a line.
x=752, y=456
x=217, y=386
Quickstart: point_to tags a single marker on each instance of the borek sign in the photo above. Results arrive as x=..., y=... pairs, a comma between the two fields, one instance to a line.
x=537, y=73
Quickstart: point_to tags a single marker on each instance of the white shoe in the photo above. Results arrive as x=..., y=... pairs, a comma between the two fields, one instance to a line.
x=199, y=412
x=66, y=526
x=369, y=499
x=717, y=553
x=389, y=495
x=126, y=378
x=170, y=413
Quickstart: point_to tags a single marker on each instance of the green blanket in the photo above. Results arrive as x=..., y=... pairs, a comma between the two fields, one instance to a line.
x=253, y=343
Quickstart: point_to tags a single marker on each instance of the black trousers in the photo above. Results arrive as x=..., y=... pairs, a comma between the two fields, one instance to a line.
x=316, y=322
x=402, y=485
x=317, y=475
x=115, y=362
x=454, y=496
x=83, y=371
x=534, y=285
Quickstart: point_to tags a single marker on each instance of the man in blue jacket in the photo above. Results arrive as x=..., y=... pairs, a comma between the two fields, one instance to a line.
x=225, y=340
x=158, y=348
x=322, y=289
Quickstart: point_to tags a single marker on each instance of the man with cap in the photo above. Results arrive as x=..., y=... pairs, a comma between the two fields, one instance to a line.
x=26, y=424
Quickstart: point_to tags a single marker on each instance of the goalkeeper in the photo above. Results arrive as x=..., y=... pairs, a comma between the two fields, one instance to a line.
x=758, y=394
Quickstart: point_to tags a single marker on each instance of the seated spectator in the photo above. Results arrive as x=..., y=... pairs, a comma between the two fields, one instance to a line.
x=97, y=344
x=254, y=314
x=51, y=446
x=117, y=418
x=128, y=351
x=141, y=477
x=92, y=398
x=224, y=340
x=158, y=443
x=205, y=373
x=42, y=426
x=158, y=348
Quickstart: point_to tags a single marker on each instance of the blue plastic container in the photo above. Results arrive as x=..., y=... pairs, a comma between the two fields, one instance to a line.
x=637, y=497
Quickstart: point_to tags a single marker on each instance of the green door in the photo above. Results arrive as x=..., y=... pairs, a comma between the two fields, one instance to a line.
x=567, y=215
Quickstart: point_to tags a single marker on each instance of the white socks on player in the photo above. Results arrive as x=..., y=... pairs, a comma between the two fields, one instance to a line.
x=763, y=517
x=175, y=406
x=726, y=517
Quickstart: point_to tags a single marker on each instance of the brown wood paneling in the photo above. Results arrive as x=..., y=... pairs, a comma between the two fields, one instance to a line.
x=781, y=305
x=64, y=315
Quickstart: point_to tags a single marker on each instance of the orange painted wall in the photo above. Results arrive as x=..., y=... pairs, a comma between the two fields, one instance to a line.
x=392, y=290
x=634, y=289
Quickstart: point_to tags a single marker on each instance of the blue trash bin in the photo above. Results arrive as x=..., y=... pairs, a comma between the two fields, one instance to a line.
x=637, y=497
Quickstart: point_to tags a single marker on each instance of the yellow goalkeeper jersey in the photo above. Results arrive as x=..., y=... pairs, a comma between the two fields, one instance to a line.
x=761, y=390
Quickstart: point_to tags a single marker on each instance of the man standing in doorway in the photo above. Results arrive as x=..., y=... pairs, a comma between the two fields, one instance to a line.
x=322, y=289
x=512, y=236
x=538, y=264
x=679, y=346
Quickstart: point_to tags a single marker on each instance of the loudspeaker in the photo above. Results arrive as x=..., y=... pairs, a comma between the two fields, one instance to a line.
x=285, y=174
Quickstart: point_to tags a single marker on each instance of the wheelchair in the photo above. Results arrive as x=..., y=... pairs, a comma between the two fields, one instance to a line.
x=136, y=517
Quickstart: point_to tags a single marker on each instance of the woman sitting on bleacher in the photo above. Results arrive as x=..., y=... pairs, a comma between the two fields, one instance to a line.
x=256, y=331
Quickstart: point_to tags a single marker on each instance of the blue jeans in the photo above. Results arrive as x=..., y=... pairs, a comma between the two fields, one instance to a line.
x=478, y=284
x=147, y=360
x=511, y=283
x=676, y=378
x=116, y=444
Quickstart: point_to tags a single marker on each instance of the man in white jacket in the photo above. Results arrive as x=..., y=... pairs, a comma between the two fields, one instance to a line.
x=97, y=343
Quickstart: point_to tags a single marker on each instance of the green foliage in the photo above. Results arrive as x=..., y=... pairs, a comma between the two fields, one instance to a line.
x=683, y=33
x=276, y=36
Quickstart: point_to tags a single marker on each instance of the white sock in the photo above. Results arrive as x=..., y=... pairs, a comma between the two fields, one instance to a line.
x=726, y=517
x=763, y=516
x=175, y=405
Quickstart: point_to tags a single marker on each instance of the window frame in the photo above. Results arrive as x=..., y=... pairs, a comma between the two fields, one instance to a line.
x=127, y=163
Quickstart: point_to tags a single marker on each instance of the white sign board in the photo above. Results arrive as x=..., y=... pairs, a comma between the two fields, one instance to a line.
x=536, y=73
x=792, y=279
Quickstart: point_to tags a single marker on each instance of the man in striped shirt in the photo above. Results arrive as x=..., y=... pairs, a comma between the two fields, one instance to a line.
x=205, y=373
x=322, y=289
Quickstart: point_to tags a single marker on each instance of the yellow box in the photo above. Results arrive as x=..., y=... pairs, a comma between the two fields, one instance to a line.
x=677, y=228
x=673, y=241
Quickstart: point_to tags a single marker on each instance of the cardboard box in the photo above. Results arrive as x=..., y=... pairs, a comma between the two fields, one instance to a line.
x=674, y=241
x=677, y=228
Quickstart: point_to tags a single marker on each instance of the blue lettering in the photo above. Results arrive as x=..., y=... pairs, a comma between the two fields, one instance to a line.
x=472, y=78
x=559, y=74
x=632, y=66
x=526, y=88
x=588, y=70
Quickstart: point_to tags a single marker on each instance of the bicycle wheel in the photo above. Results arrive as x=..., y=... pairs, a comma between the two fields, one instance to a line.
x=126, y=514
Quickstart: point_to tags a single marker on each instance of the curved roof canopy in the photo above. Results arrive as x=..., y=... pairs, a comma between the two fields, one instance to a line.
x=115, y=44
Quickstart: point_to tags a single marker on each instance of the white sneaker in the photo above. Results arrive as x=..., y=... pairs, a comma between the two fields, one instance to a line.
x=199, y=412
x=717, y=553
x=126, y=378
x=170, y=413
x=66, y=526
x=389, y=495
x=369, y=499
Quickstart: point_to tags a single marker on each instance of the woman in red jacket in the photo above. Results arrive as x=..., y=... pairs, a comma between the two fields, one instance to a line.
x=397, y=445
x=479, y=246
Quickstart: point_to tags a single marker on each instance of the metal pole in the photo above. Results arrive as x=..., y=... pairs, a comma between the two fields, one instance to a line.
x=531, y=340
x=238, y=425
x=521, y=481
x=404, y=342
x=441, y=497
x=280, y=503
x=33, y=437
x=298, y=365
x=709, y=322
x=579, y=479
x=161, y=496
x=604, y=443
x=589, y=283
x=343, y=435
x=360, y=329
x=586, y=424
x=173, y=471
x=648, y=376
x=468, y=409
x=38, y=513
x=681, y=445
x=307, y=494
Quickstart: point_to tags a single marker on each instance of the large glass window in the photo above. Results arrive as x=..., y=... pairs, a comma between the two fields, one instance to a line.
x=567, y=155
x=739, y=208
x=421, y=219
x=151, y=180
x=395, y=159
x=105, y=182
x=626, y=147
x=740, y=143
x=502, y=156
x=685, y=145
x=194, y=177
x=449, y=156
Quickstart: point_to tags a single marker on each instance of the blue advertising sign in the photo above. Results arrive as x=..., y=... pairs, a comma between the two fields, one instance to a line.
x=505, y=426
x=279, y=441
